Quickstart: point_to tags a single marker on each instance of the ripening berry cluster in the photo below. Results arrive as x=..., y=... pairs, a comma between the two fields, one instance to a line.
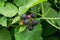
x=28, y=20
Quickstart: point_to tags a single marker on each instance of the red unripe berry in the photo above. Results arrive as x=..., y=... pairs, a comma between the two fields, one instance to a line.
x=29, y=17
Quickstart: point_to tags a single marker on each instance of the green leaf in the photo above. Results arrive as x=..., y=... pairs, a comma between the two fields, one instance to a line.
x=32, y=3
x=3, y=0
x=22, y=28
x=15, y=19
x=58, y=21
x=5, y=34
x=36, y=8
x=35, y=34
x=24, y=8
x=2, y=3
x=51, y=14
x=48, y=29
x=45, y=7
x=20, y=2
x=27, y=2
x=9, y=10
x=51, y=38
x=47, y=11
x=3, y=21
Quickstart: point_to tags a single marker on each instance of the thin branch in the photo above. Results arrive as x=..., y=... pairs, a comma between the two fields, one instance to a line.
x=56, y=5
x=42, y=10
x=53, y=24
x=50, y=18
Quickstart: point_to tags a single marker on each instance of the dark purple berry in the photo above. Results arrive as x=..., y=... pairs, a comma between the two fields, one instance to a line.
x=34, y=22
x=24, y=16
x=26, y=21
x=33, y=15
x=30, y=28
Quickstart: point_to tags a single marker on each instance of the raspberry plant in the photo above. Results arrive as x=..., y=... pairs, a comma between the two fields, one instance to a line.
x=29, y=19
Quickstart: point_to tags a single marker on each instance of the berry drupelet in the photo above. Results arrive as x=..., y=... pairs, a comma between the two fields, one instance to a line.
x=24, y=16
x=32, y=15
x=26, y=21
x=34, y=22
x=30, y=28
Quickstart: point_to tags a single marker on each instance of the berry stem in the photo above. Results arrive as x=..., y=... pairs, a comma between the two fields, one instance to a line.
x=42, y=9
x=35, y=13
